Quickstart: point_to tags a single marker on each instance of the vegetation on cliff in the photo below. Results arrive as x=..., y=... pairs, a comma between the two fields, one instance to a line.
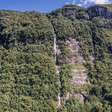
x=28, y=78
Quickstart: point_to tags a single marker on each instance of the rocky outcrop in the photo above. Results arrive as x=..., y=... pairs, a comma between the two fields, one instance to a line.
x=68, y=53
x=75, y=12
x=100, y=11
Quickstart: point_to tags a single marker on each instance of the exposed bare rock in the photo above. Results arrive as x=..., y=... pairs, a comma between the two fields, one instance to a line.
x=101, y=11
x=79, y=78
x=67, y=52
x=72, y=50
x=79, y=97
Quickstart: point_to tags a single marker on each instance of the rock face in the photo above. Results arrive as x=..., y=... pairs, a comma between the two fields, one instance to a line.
x=80, y=77
x=74, y=12
x=68, y=52
x=101, y=11
x=69, y=12
x=73, y=58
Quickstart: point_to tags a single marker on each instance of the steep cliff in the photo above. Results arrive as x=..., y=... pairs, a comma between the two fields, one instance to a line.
x=56, y=62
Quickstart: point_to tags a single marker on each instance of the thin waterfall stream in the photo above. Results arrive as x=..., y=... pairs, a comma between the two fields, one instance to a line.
x=57, y=71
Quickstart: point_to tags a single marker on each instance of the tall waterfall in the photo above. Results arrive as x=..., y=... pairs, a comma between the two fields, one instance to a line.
x=55, y=49
x=57, y=71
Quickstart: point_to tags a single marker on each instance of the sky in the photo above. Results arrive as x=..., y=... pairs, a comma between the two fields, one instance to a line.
x=44, y=5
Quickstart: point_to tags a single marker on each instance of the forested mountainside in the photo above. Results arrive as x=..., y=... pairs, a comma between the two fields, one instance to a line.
x=56, y=62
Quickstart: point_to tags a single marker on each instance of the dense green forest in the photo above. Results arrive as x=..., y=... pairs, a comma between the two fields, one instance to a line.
x=29, y=78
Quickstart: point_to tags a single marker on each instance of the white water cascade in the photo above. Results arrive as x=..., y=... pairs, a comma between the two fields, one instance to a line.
x=57, y=71
x=55, y=49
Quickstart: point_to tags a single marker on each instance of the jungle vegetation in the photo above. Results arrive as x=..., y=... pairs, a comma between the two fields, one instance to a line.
x=28, y=80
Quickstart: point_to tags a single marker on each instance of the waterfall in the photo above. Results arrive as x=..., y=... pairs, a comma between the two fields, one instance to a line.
x=57, y=71
x=55, y=49
x=59, y=100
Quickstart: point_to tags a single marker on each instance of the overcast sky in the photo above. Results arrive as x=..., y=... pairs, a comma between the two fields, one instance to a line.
x=44, y=5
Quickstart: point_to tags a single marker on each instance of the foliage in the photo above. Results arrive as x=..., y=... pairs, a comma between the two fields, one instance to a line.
x=28, y=78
